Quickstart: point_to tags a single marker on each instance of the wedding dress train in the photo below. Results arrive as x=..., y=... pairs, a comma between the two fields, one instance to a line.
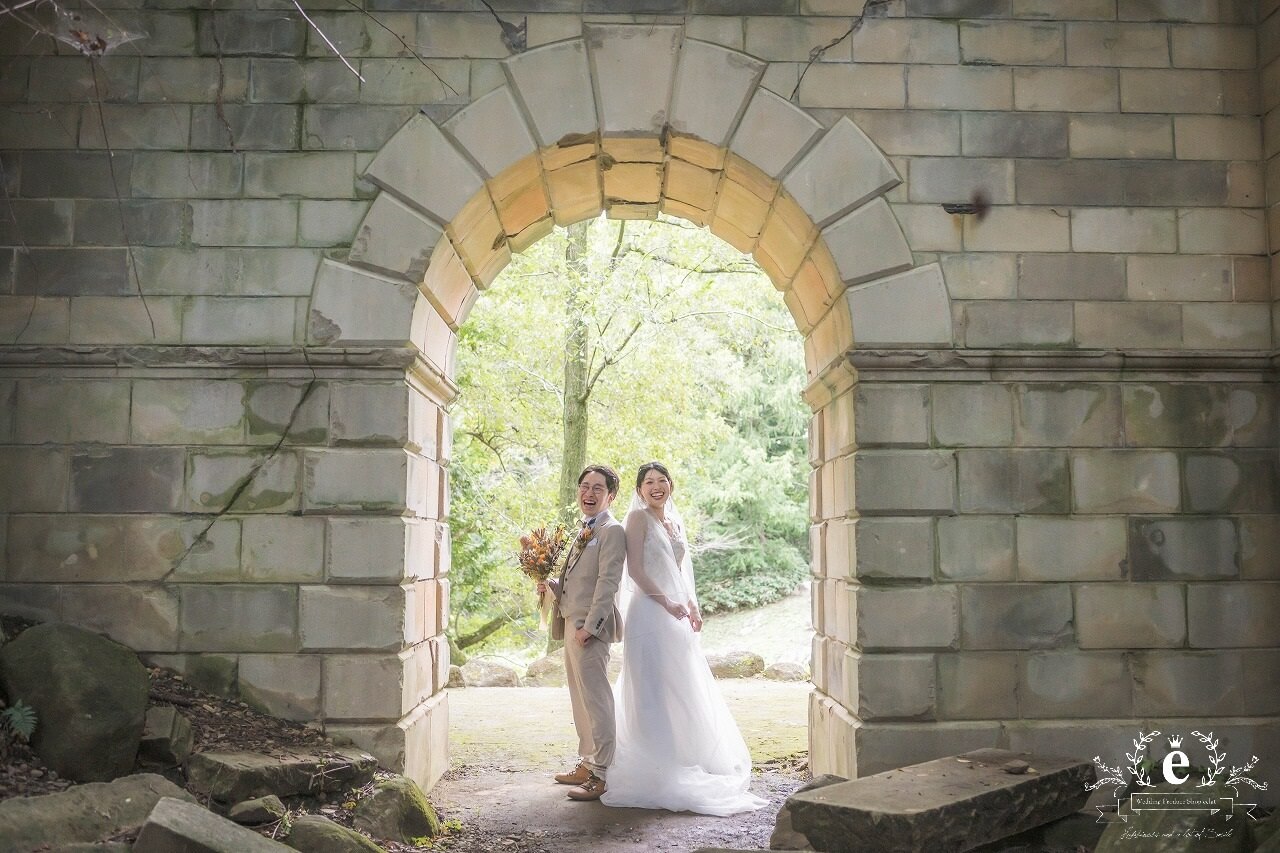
x=678, y=747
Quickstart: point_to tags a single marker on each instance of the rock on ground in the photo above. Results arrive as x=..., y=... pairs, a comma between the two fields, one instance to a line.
x=455, y=676
x=786, y=671
x=547, y=671
x=784, y=835
x=482, y=672
x=397, y=810
x=175, y=825
x=232, y=777
x=735, y=664
x=89, y=694
x=257, y=811
x=316, y=834
x=167, y=737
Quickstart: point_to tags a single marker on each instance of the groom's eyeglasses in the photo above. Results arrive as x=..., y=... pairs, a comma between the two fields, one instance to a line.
x=595, y=490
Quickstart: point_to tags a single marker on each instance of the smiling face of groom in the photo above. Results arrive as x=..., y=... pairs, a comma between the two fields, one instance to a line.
x=595, y=492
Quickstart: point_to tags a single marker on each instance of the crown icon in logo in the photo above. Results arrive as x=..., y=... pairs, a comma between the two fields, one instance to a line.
x=1175, y=742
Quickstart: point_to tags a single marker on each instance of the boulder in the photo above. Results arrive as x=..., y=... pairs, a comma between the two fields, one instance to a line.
x=232, y=777
x=167, y=737
x=175, y=825
x=486, y=672
x=94, y=688
x=257, y=811
x=784, y=835
x=735, y=664
x=316, y=834
x=397, y=810
x=1177, y=830
x=786, y=671
x=85, y=813
x=546, y=671
x=455, y=677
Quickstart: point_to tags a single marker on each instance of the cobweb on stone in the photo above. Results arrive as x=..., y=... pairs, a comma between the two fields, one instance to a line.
x=87, y=31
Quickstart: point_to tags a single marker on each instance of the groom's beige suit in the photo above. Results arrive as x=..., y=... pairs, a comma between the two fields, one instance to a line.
x=586, y=597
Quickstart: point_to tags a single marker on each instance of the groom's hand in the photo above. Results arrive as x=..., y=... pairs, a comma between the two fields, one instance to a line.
x=583, y=636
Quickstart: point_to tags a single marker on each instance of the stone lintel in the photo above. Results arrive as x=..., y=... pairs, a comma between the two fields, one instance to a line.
x=949, y=804
x=218, y=359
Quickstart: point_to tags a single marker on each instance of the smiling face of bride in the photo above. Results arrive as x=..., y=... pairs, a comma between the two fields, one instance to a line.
x=654, y=486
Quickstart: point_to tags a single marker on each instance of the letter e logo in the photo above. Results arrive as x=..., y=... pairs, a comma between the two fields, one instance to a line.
x=1176, y=760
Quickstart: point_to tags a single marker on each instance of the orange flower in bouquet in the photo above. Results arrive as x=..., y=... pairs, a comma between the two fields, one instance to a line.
x=540, y=550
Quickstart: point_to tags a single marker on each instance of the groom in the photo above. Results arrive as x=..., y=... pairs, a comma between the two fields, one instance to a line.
x=586, y=594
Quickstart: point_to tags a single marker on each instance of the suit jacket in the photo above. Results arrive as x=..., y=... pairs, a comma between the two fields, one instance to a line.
x=586, y=596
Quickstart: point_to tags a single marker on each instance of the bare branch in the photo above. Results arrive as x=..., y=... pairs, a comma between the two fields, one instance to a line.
x=407, y=46
x=332, y=46
x=678, y=317
x=872, y=8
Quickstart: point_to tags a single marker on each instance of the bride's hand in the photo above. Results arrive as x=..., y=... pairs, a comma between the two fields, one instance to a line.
x=677, y=610
x=695, y=620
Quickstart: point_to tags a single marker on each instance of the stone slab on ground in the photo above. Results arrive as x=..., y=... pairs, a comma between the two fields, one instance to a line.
x=86, y=813
x=174, y=825
x=232, y=777
x=949, y=804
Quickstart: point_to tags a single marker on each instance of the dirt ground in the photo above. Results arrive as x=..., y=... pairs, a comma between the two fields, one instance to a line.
x=506, y=743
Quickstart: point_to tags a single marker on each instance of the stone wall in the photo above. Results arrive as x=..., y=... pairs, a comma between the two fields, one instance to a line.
x=1045, y=485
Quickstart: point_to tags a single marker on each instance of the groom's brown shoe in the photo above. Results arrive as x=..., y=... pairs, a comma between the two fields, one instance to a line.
x=589, y=790
x=576, y=776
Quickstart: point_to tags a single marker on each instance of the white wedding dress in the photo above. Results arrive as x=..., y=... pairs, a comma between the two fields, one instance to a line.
x=678, y=747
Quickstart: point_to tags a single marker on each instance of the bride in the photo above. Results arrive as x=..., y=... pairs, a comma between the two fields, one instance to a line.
x=678, y=747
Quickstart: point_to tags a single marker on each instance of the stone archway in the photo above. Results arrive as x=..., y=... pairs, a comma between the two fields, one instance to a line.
x=630, y=120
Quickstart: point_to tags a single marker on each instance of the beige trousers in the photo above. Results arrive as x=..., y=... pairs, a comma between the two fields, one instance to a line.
x=586, y=669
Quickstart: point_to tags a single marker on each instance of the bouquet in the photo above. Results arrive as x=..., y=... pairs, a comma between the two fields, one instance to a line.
x=540, y=550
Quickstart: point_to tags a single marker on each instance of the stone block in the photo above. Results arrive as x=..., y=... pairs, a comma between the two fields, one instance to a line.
x=408, y=81
x=253, y=320
x=910, y=132
x=868, y=243
x=369, y=413
x=70, y=174
x=893, y=548
x=293, y=81
x=1071, y=276
x=286, y=686
x=1067, y=89
x=218, y=481
x=895, y=687
x=977, y=686
x=115, y=320
x=395, y=239
x=1259, y=543
x=1013, y=481
x=72, y=272
x=1015, y=616
x=1074, y=684
x=905, y=481
x=191, y=549
x=315, y=174
x=976, y=548
x=37, y=222
x=1197, y=415
x=127, y=479
x=8, y=409
x=238, y=618
x=366, y=550
x=959, y=88
x=351, y=127
x=1261, y=691
x=188, y=174
x=297, y=412
x=1013, y=135
x=789, y=39
x=281, y=549
x=1214, y=47
x=192, y=79
x=906, y=40
x=351, y=305
x=351, y=618
x=62, y=548
x=1217, y=137
x=554, y=82
x=1178, y=684
x=1125, y=326
x=946, y=179
x=1110, y=136
x=244, y=223
x=1171, y=91
x=910, y=308
x=840, y=86
x=1118, y=45
x=134, y=126
x=693, y=109
x=1118, y=481
x=421, y=165
x=329, y=223
x=492, y=130
x=149, y=223
x=1221, y=231
x=1122, y=230
x=1011, y=43
x=142, y=617
x=1070, y=415
x=1018, y=229
x=363, y=687
x=982, y=275
x=633, y=73
x=250, y=33
x=366, y=480
x=967, y=415
x=166, y=271
x=37, y=602
x=1130, y=616
x=181, y=411
x=840, y=172
x=926, y=617
x=886, y=746
x=929, y=228
x=48, y=126
x=34, y=320
x=1075, y=549
x=69, y=412
x=1241, y=481
x=176, y=825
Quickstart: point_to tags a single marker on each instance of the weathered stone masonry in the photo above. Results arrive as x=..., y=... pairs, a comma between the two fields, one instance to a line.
x=1046, y=485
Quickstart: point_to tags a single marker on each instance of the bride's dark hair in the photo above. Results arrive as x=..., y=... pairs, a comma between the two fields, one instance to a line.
x=653, y=466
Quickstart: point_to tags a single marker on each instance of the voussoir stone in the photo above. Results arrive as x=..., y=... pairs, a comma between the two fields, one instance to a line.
x=85, y=813
x=479, y=672
x=397, y=810
x=89, y=694
x=232, y=777
x=949, y=804
x=735, y=664
x=316, y=834
x=175, y=825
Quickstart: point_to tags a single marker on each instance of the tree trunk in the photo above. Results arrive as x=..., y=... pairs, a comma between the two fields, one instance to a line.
x=576, y=356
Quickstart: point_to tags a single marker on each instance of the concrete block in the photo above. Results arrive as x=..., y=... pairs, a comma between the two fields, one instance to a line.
x=1221, y=231
x=892, y=414
x=982, y=275
x=1130, y=616
x=286, y=686
x=264, y=321
x=893, y=548
x=250, y=33
x=492, y=130
x=693, y=110
x=168, y=174
x=245, y=126
x=1214, y=47
x=1062, y=549
x=238, y=618
x=367, y=480
x=1175, y=684
x=1074, y=684
x=363, y=687
x=408, y=81
x=868, y=243
x=69, y=174
x=244, y=482
x=148, y=223
x=1217, y=137
x=283, y=549
x=840, y=172
x=329, y=223
x=946, y=179
x=349, y=618
x=133, y=127
x=1014, y=135
x=244, y=223
x=178, y=411
x=1111, y=481
x=789, y=39
x=421, y=165
x=910, y=132
x=1011, y=43
x=297, y=412
x=895, y=687
x=976, y=548
x=905, y=481
x=1232, y=615
x=1240, y=481
x=906, y=40
x=314, y=174
x=142, y=617
x=1068, y=415
x=40, y=222
x=772, y=132
x=904, y=309
x=1066, y=89
x=1118, y=45
x=49, y=126
x=1195, y=415
x=1110, y=136
x=1015, y=616
x=1184, y=278
x=369, y=413
x=293, y=81
x=394, y=239
x=192, y=79
x=977, y=685
x=840, y=86
x=72, y=272
x=366, y=550
x=1071, y=276
x=351, y=305
x=69, y=412
x=998, y=324
x=127, y=479
x=1123, y=326
x=972, y=415
x=1124, y=230
x=959, y=88
x=1013, y=481
x=908, y=618
x=1018, y=229
x=32, y=320
x=1171, y=91
x=352, y=127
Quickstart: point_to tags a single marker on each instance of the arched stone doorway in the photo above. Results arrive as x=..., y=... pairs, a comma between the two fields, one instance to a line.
x=629, y=120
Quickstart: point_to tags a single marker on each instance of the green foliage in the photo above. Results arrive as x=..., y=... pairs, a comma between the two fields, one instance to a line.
x=19, y=719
